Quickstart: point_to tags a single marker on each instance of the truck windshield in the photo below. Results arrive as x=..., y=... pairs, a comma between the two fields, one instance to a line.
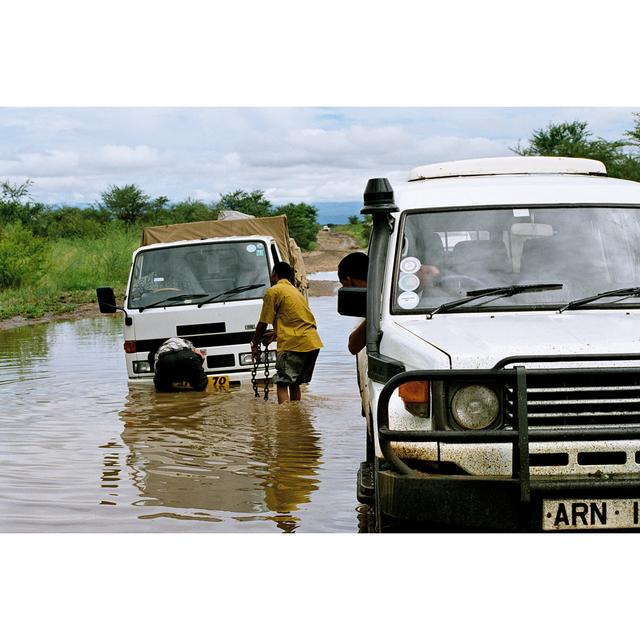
x=190, y=273
x=445, y=254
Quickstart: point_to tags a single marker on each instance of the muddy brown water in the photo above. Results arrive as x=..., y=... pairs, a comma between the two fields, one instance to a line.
x=81, y=450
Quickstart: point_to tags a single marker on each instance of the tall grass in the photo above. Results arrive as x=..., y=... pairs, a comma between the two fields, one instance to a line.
x=72, y=269
x=81, y=264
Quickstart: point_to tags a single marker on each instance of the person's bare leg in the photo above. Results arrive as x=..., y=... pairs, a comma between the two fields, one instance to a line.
x=283, y=393
x=294, y=392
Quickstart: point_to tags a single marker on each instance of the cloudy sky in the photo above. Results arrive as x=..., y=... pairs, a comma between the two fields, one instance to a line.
x=293, y=154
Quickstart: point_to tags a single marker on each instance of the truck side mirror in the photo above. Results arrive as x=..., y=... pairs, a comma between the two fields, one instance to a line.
x=352, y=301
x=106, y=300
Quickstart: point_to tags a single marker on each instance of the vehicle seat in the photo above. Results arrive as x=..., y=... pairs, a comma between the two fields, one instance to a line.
x=433, y=251
x=485, y=259
x=577, y=262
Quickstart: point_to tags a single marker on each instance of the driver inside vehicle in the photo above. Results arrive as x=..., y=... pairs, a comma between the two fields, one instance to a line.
x=431, y=266
x=164, y=272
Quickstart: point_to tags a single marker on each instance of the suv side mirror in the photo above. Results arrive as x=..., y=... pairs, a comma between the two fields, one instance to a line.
x=106, y=300
x=352, y=301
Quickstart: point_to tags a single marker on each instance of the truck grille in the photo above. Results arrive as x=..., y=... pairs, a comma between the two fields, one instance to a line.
x=220, y=361
x=586, y=398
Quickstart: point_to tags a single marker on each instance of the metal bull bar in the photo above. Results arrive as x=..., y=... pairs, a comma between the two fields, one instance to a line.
x=519, y=435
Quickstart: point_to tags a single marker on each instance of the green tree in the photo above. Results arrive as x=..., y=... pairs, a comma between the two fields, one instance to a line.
x=73, y=222
x=570, y=139
x=253, y=204
x=16, y=204
x=301, y=219
x=633, y=135
x=191, y=211
x=574, y=140
x=128, y=203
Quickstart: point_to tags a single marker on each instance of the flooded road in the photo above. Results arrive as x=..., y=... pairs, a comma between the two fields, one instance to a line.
x=82, y=451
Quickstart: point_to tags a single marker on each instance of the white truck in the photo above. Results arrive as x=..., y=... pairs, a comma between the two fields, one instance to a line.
x=501, y=376
x=203, y=281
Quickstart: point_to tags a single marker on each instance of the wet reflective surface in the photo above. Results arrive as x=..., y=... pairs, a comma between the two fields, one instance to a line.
x=81, y=450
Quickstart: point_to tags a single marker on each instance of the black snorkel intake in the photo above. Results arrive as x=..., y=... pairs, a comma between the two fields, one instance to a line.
x=379, y=203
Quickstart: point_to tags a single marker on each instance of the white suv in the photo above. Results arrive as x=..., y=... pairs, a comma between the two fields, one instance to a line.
x=502, y=370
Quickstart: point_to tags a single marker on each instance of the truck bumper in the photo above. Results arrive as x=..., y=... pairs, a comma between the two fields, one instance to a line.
x=494, y=504
x=241, y=378
x=521, y=501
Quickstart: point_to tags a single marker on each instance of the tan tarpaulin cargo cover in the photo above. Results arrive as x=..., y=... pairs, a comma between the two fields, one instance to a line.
x=274, y=226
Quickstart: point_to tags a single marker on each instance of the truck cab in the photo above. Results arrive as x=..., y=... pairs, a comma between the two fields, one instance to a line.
x=203, y=282
x=501, y=377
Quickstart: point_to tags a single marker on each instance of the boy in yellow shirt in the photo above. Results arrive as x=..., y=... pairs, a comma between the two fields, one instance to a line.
x=287, y=310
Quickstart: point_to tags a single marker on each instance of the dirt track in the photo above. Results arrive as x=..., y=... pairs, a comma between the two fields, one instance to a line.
x=330, y=249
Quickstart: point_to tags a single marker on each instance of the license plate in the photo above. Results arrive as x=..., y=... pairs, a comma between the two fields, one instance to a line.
x=558, y=515
x=216, y=383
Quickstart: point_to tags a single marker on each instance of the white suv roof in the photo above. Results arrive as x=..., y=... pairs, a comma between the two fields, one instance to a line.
x=517, y=181
x=507, y=166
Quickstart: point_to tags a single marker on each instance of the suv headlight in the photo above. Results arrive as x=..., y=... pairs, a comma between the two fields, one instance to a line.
x=475, y=406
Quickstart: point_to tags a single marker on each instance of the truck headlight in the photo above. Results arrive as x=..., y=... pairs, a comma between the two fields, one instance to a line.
x=246, y=359
x=475, y=406
x=141, y=366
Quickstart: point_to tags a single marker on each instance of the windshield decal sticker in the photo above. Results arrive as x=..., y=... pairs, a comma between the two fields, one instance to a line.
x=251, y=248
x=408, y=300
x=409, y=282
x=410, y=265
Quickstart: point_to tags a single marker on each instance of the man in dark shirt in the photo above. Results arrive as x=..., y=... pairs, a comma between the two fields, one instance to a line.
x=179, y=366
x=352, y=272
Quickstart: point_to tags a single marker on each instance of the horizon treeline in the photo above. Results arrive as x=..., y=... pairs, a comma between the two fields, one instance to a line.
x=130, y=206
x=30, y=231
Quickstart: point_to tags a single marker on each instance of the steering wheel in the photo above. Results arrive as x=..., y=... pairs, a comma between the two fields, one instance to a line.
x=471, y=283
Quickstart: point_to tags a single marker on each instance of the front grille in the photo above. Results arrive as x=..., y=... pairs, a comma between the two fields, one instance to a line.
x=196, y=329
x=224, y=360
x=587, y=398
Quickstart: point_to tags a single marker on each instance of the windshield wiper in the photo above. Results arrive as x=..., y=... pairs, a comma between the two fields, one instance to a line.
x=625, y=293
x=246, y=287
x=182, y=296
x=499, y=292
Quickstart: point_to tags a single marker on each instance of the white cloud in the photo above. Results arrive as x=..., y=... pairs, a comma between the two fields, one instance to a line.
x=126, y=157
x=292, y=154
x=46, y=163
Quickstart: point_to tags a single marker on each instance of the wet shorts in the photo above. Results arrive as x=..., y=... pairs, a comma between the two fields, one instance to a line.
x=179, y=371
x=295, y=367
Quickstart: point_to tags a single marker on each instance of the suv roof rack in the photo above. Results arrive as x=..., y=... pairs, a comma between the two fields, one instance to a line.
x=506, y=166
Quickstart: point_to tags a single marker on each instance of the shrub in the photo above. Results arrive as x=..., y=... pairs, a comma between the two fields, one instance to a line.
x=22, y=256
x=73, y=222
x=301, y=219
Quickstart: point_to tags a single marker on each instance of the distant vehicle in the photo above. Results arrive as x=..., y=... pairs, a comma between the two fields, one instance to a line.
x=501, y=376
x=203, y=281
x=326, y=228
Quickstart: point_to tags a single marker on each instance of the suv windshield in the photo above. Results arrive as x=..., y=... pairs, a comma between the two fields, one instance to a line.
x=445, y=254
x=191, y=273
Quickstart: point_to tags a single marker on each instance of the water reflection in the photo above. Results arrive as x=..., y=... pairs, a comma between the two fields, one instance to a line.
x=213, y=456
x=21, y=350
x=81, y=450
